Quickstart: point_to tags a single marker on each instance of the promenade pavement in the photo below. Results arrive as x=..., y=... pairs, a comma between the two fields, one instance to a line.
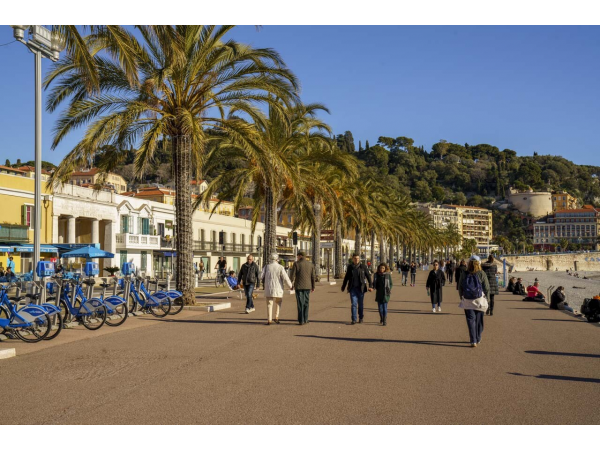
x=534, y=366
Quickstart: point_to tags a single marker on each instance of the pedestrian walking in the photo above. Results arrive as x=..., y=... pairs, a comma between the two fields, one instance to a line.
x=474, y=288
x=249, y=279
x=451, y=270
x=303, y=278
x=201, y=269
x=435, y=282
x=491, y=270
x=356, y=279
x=413, y=274
x=274, y=279
x=404, y=268
x=459, y=270
x=382, y=283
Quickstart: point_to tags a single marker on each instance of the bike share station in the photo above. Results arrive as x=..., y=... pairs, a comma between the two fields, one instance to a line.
x=39, y=310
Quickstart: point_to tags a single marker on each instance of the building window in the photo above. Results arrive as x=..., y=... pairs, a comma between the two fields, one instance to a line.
x=27, y=215
x=123, y=257
x=144, y=260
x=126, y=224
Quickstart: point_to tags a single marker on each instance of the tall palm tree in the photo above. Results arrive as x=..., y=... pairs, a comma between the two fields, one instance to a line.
x=168, y=86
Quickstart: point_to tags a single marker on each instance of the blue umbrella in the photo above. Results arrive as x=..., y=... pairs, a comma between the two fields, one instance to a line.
x=88, y=252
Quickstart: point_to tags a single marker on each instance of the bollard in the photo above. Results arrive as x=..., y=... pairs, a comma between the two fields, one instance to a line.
x=196, y=281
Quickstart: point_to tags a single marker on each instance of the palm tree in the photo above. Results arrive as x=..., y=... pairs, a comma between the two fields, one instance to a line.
x=168, y=87
x=268, y=156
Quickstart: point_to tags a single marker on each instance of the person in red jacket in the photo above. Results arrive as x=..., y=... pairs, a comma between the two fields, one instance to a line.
x=534, y=292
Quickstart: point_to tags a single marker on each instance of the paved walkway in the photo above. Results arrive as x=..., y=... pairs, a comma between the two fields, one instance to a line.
x=533, y=366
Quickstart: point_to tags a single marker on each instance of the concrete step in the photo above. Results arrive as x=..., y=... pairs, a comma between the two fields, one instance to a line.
x=8, y=353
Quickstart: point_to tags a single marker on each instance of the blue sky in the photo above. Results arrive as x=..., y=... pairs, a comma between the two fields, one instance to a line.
x=524, y=88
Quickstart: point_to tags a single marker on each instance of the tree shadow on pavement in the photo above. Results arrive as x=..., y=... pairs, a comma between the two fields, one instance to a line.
x=557, y=377
x=562, y=320
x=582, y=355
x=392, y=341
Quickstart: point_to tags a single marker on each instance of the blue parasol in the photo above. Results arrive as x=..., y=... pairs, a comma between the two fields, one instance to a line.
x=88, y=252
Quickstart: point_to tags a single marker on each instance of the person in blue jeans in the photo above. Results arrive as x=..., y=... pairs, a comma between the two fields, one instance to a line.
x=249, y=278
x=382, y=283
x=356, y=279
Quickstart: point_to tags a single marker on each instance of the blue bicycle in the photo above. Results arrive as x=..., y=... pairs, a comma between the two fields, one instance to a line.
x=92, y=313
x=31, y=323
x=139, y=299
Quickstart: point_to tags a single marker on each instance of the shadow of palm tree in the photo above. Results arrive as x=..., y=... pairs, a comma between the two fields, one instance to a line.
x=558, y=377
x=392, y=341
x=541, y=352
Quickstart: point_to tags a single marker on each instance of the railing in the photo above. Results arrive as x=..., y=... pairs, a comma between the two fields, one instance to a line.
x=200, y=246
x=14, y=233
x=137, y=240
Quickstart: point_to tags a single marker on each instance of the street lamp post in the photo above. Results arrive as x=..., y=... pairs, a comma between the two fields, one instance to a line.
x=43, y=44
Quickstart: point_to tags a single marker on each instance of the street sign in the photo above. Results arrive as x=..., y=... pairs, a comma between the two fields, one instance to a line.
x=326, y=244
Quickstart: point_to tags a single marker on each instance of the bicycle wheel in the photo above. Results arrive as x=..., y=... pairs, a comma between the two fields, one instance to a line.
x=162, y=309
x=37, y=331
x=132, y=304
x=177, y=305
x=95, y=320
x=118, y=316
x=56, y=326
x=218, y=280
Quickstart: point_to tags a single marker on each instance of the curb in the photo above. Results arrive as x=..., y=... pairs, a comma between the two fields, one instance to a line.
x=8, y=353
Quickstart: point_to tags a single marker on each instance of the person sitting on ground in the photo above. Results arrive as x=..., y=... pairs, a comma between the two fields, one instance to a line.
x=534, y=293
x=232, y=280
x=519, y=288
x=557, y=301
x=511, y=285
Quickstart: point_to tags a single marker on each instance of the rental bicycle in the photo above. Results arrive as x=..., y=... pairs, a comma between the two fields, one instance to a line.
x=158, y=304
x=30, y=323
x=177, y=301
x=75, y=306
x=220, y=278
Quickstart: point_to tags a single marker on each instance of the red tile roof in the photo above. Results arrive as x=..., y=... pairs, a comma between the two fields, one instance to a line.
x=11, y=169
x=32, y=169
x=92, y=171
x=577, y=210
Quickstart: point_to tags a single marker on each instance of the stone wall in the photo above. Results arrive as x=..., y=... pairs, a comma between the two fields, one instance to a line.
x=562, y=262
x=535, y=203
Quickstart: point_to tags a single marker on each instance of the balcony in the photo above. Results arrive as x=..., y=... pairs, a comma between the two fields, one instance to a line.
x=14, y=233
x=210, y=246
x=137, y=241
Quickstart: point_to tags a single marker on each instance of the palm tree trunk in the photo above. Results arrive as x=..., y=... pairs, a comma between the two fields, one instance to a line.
x=316, y=250
x=182, y=162
x=373, y=249
x=270, y=244
x=382, y=257
x=391, y=254
x=339, y=263
x=357, y=241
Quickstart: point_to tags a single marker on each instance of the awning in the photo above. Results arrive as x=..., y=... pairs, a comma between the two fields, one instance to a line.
x=170, y=254
x=5, y=249
x=44, y=248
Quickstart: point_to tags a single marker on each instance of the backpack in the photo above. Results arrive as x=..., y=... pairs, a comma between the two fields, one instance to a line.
x=472, y=288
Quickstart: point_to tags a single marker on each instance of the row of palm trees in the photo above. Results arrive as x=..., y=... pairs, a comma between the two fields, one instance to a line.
x=212, y=100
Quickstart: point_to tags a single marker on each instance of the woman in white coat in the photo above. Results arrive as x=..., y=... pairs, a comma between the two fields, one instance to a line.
x=273, y=278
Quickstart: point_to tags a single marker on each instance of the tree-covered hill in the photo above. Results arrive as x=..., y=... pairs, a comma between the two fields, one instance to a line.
x=470, y=174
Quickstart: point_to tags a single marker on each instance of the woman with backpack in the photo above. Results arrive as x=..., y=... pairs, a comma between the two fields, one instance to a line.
x=474, y=289
x=382, y=283
x=435, y=282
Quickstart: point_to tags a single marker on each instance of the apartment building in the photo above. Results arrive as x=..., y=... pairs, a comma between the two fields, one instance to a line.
x=563, y=200
x=471, y=222
x=91, y=177
x=578, y=226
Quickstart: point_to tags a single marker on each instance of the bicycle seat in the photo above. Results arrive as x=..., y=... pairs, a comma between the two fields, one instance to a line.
x=162, y=285
x=89, y=282
x=33, y=296
x=17, y=299
x=104, y=285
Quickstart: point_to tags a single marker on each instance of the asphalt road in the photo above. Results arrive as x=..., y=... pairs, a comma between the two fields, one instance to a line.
x=534, y=366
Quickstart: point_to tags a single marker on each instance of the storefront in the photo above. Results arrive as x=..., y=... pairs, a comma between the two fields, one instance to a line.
x=23, y=255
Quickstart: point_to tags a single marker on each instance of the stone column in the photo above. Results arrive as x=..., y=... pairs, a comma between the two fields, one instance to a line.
x=110, y=242
x=54, y=229
x=95, y=231
x=71, y=236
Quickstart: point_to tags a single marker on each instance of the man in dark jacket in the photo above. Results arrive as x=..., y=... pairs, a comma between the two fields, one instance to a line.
x=357, y=277
x=491, y=270
x=557, y=301
x=458, y=272
x=404, y=268
x=450, y=271
x=250, y=279
x=303, y=278
x=519, y=288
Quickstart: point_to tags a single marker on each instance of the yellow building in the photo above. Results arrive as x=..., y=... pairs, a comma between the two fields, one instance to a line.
x=563, y=200
x=90, y=177
x=16, y=219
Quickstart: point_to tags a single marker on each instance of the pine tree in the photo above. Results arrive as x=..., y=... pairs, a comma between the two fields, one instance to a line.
x=7, y=163
x=360, y=147
x=367, y=146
